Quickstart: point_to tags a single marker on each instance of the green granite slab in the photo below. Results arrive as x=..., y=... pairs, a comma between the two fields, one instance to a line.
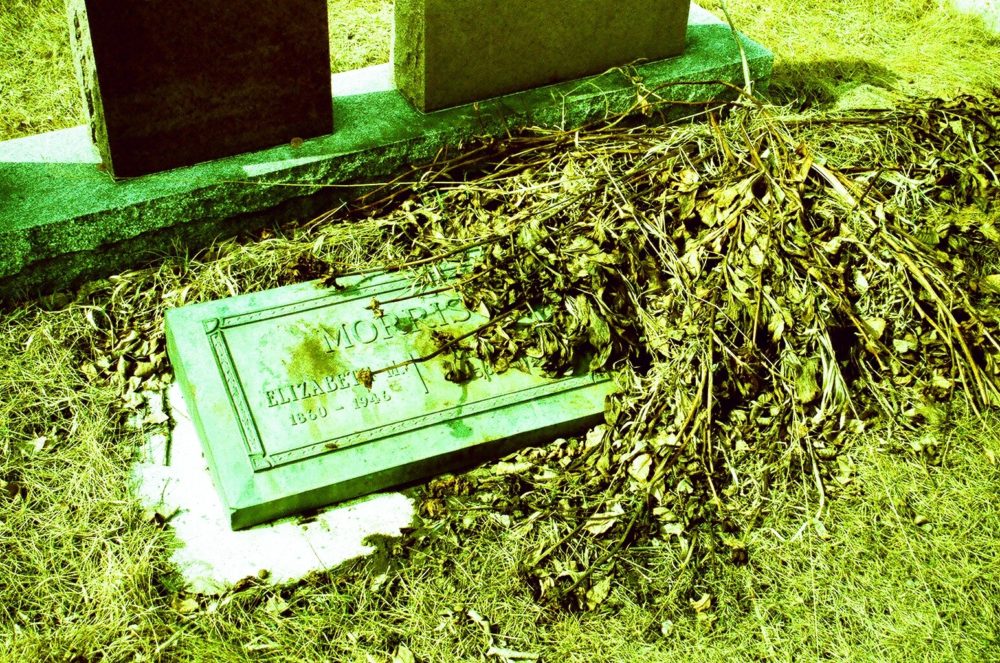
x=63, y=220
x=272, y=382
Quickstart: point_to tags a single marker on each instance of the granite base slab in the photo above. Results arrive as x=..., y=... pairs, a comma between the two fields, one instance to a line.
x=63, y=220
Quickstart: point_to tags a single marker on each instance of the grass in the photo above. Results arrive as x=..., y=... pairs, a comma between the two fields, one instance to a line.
x=905, y=565
x=38, y=91
x=828, y=49
x=359, y=33
x=866, y=52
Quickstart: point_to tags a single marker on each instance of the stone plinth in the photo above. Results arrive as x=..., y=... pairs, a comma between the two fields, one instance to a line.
x=451, y=52
x=289, y=419
x=62, y=219
x=170, y=83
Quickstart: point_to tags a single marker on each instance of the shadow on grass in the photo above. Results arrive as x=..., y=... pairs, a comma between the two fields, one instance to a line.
x=818, y=83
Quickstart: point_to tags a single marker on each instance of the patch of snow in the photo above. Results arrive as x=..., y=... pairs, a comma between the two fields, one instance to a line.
x=212, y=557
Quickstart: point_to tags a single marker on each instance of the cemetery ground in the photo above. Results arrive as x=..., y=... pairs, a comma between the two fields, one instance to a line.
x=851, y=514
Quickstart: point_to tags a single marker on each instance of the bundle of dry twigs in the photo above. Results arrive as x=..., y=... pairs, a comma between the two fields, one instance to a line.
x=762, y=286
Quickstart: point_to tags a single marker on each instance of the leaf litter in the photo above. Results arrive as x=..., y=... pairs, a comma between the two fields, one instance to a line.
x=762, y=287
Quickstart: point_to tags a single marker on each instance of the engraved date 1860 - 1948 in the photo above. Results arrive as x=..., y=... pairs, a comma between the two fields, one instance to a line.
x=322, y=412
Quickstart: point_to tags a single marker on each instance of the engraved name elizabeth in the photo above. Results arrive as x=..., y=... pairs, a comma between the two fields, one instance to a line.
x=346, y=337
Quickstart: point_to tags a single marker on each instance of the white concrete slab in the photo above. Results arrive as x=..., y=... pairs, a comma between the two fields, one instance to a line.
x=62, y=146
x=212, y=557
x=988, y=9
x=376, y=78
x=701, y=16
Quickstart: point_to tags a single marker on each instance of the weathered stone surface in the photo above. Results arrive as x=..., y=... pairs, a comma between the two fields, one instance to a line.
x=62, y=220
x=170, y=83
x=272, y=381
x=451, y=52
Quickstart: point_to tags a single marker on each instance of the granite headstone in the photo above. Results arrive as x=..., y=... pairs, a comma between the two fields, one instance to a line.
x=170, y=83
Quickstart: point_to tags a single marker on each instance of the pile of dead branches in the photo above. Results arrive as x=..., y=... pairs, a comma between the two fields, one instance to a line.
x=763, y=287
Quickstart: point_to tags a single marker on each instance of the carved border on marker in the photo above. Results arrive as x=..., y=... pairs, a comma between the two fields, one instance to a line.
x=309, y=304
x=237, y=397
x=358, y=438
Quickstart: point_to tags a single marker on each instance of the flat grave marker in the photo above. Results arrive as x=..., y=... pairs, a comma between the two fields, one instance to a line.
x=275, y=383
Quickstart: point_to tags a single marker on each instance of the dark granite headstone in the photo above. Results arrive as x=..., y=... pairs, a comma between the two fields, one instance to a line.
x=170, y=83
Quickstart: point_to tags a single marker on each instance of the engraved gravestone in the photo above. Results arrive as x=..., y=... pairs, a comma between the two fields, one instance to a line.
x=276, y=385
x=451, y=52
x=170, y=83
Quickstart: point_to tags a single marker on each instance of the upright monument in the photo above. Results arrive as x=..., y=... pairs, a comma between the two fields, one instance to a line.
x=170, y=83
x=452, y=52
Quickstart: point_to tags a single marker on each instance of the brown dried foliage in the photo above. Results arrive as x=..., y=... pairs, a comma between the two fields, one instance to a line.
x=763, y=289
